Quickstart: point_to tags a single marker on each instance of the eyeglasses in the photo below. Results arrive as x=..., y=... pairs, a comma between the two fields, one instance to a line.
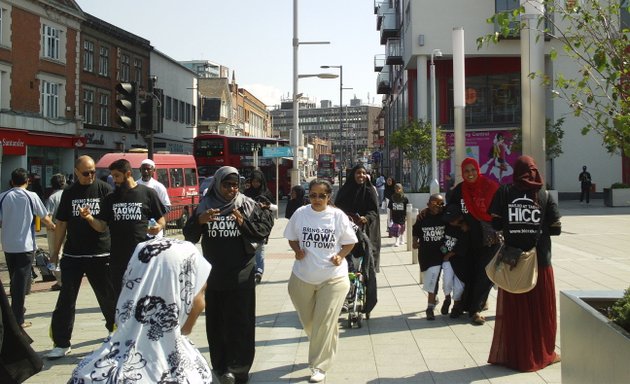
x=228, y=185
x=88, y=173
x=317, y=195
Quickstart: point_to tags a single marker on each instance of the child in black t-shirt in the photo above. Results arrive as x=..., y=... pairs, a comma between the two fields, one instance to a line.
x=398, y=213
x=428, y=238
x=454, y=249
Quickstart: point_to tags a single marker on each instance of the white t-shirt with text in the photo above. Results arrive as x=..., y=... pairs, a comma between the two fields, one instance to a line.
x=321, y=236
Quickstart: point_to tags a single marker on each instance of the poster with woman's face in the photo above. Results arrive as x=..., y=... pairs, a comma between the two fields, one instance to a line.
x=491, y=149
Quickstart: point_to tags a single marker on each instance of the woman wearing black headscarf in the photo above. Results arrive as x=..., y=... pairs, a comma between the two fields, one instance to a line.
x=231, y=226
x=296, y=200
x=525, y=326
x=358, y=199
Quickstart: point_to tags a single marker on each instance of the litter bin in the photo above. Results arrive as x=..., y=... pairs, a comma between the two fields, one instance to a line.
x=593, y=187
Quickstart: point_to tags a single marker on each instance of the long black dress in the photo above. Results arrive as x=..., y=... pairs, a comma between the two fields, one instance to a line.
x=18, y=361
x=361, y=199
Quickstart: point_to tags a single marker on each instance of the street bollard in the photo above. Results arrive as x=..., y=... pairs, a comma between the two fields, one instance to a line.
x=414, y=252
x=409, y=223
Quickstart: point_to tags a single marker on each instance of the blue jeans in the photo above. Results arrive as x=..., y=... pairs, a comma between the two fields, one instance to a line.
x=19, y=266
x=260, y=259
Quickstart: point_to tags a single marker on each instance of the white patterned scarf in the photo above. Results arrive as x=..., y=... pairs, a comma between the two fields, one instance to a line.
x=162, y=278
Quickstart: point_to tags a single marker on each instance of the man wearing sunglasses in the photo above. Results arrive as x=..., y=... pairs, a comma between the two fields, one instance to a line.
x=147, y=169
x=126, y=212
x=85, y=252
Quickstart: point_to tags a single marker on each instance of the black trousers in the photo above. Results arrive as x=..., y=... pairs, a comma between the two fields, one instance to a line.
x=478, y=285
x=72, y=270
x=19, y=266
x=586, y=193
x=230, y=327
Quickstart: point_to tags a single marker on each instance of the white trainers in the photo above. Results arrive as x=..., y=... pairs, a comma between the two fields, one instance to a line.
x=58, y=352
x=317, y=376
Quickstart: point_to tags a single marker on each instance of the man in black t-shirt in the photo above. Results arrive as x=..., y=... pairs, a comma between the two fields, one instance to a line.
x=126, y=212
x=86, y=252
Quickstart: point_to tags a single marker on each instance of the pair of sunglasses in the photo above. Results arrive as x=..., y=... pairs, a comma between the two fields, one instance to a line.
x=88, y=173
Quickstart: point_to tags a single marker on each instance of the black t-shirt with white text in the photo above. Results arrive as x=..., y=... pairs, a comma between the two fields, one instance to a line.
x=127, y=212
x=81, y=239
x=456, y=240
x=399, y=210
x=430, y=234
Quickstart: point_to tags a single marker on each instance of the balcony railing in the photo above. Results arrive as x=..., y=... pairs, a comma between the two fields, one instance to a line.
x=383, y=82
x=389, y=26
x=379, y=62
x=394, y=54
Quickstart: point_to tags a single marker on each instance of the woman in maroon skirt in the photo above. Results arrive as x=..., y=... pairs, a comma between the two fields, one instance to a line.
x=525, y=327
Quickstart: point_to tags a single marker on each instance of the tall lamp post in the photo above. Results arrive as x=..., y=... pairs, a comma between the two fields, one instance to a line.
x=295, y=172
x=341, y=88
x=435, y=184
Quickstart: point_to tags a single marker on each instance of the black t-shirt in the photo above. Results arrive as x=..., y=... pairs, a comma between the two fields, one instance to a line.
x=456, y=240
x=399, y=211
x=127, y=213
x=522, y=219
x=430, y=234
x=474, y=225
x=81, y=239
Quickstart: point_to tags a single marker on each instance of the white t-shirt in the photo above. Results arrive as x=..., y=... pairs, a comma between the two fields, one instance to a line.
x=159, y=188
x=18, y=208
x=321, y=235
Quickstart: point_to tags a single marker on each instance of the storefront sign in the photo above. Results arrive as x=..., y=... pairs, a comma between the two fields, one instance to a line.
x=12, y=146
x=93, y=138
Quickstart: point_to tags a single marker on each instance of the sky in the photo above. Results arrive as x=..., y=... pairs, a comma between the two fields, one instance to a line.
x=254, y=38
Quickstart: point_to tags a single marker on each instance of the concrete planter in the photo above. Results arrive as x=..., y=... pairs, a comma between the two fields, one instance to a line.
x=418, y=200
x=617, y=197
x=594, y=349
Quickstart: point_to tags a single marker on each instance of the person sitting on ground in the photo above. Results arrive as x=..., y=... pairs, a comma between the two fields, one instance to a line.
x=163, y=295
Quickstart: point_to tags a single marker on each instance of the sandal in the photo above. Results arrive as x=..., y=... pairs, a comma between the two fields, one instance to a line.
x=26, y=324
x=478, y=319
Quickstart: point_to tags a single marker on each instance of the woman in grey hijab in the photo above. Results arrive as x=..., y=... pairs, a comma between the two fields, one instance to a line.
x=230, y=226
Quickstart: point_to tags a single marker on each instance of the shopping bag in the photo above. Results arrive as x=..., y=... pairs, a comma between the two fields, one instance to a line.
x=513, y=270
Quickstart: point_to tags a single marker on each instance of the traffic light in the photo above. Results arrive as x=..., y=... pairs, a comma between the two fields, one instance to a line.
x=127, y=105
x=146, y=116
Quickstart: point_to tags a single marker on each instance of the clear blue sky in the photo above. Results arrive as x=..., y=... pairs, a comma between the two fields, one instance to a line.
x=253, y=37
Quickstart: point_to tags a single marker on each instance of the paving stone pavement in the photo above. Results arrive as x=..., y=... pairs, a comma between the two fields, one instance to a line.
x=397, y=344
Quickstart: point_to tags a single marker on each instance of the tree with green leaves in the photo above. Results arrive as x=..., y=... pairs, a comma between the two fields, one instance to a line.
x=591, y=33
x=553, y=139
x=414, y=141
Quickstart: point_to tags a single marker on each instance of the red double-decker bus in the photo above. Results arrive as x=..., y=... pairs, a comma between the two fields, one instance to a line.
x=326, y=166
x=212, y=152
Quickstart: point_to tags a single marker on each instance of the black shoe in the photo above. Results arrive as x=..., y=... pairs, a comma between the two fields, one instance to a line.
x=446, y=305
x=258, y=277
x=430, y=314
x=457, y=311
x=227, y=378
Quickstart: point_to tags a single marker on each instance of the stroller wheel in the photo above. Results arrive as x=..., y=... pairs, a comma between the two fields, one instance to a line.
x=349, y=324
x=359, y=320
x=367, y=316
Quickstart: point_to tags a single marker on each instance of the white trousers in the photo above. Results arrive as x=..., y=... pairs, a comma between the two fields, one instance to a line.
x=318, y=307
x=450, y=282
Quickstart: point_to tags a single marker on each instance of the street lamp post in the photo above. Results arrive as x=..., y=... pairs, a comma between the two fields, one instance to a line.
x=341, y=88
x=435, y=184
x=295, y=172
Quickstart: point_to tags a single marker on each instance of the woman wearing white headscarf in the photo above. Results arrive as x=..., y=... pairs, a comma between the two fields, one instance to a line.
x=230, y=226
x=162, y=296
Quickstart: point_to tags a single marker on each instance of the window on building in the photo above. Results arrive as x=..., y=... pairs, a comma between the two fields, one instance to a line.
x=175, y=109
x=182, y=111
x=625, y=14
x=193, y=120
x=104, y=109
x=506, y=5
x=51, y=41
x=124, y=67
x=88, y=106
x=103, y=61
x=188, y=113
x=137, y=68
x=2, y=13
x=168, y=108
x=50, y=99
x=88, y=56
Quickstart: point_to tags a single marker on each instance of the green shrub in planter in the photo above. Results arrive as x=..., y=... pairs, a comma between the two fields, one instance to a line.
x=620, y=313
x=619, y=186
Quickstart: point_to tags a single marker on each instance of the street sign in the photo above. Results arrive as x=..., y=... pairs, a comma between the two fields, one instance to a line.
x=277, y=151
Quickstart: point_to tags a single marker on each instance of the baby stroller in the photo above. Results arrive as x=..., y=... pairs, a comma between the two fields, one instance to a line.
x=361, y=297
